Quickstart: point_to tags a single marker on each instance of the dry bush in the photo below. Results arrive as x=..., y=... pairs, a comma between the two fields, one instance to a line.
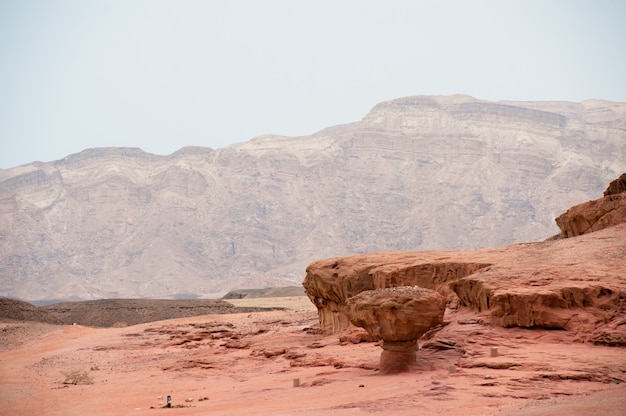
x=77, y=377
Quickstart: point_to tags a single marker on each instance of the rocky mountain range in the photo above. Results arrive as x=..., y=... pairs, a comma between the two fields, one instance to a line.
x=416, y=173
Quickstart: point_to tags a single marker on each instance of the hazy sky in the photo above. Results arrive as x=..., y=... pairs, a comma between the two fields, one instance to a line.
x=161, y=75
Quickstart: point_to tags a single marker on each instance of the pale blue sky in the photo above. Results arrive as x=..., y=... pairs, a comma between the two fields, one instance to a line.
x=161, y=75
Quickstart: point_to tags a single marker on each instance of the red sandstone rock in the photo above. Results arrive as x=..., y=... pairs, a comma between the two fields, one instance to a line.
x=593, y=215
x=398, y=313
x=617, y=186
x=398, y=316
x=575, y=284
x=330, y=283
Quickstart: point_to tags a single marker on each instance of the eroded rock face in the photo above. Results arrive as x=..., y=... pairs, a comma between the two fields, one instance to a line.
x=593, y=215
x=398, y=316
x=617, y=186
x=575, y=284
x=598, y=214
x=550, y=300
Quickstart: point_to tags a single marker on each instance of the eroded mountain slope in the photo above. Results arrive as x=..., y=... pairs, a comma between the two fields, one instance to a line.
x=415, y=173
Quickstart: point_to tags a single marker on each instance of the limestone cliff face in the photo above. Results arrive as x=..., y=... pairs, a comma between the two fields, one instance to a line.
x=415, y=173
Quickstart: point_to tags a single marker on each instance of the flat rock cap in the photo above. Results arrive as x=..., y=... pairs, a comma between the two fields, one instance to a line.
x=397, y=313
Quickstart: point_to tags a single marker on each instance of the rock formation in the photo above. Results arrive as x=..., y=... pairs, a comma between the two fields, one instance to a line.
x=398, y=316
x=596, y=215
x=576, y=284
x=617, y=186
x=330, y=283
x=416, y=173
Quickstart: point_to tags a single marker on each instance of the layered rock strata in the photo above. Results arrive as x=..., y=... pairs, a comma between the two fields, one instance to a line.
x=617, y=186
x=596, y=215
x=398, y=316
x=330, y=283
x=416, y=173
x=576, y=284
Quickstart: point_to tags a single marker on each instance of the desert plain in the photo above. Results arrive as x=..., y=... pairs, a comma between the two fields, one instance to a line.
x=280, y=363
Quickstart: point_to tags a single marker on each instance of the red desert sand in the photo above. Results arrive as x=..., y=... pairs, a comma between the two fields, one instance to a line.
x=278, y=363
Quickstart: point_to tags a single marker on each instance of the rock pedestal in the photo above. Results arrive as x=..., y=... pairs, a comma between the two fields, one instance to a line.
x=397, y=356
x=330, y=283
x=398, y=316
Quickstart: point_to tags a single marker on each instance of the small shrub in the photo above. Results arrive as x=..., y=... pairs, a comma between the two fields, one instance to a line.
x=77, y=377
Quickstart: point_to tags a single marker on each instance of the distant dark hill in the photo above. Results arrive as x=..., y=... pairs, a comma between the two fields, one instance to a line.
x=18, y=310
x=115, y=312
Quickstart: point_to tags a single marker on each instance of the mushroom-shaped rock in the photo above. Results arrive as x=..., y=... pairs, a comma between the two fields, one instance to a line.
x=331, y=282
x=398, y=316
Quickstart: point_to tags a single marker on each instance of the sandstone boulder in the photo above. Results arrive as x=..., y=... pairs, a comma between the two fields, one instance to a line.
x=617, y=186
x=593, y=215
x=398, y=316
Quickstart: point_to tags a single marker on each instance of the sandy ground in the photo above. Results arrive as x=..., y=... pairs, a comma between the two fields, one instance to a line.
x=242, y=364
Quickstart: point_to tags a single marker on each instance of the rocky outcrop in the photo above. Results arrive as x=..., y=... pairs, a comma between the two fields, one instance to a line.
x=593, y=215
x=398, y=316
x=598, y=214
x=617, y=186
x=558, y=299
x=575, y=284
